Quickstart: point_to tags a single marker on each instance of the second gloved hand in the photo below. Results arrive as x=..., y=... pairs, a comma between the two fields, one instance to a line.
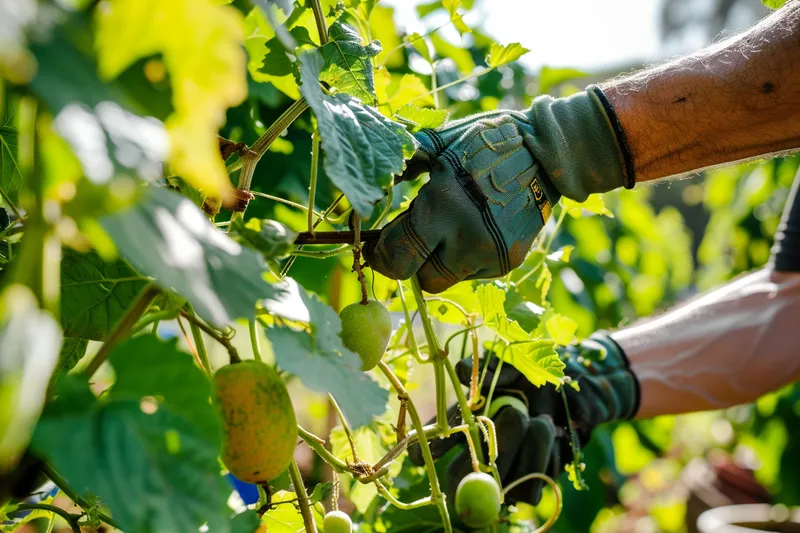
x=536, y=439
x=494, y=178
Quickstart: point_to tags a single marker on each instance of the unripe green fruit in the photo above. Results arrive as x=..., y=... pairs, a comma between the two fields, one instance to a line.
x=337, y=522
x=478, y=500
x=259, y=421
x=366, y=329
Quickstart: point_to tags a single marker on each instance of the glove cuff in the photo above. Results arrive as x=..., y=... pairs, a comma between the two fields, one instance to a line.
x=625, y=382
x=580, y=143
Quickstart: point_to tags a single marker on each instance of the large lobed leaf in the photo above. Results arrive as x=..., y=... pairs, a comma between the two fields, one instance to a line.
x=348, y=62
x=363, y=149
x=323, y=364
x=535, y=358
x=201, y=45
x=147, y=448
x=95, y=294
x=168, y=238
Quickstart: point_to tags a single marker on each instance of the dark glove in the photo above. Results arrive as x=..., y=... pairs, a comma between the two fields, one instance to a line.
x=494, y=178
x=539, y=441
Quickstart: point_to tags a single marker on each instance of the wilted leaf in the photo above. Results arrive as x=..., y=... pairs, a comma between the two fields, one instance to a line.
x=95, y=294
x=502, y=55
x=348, y=62
x=168, y=238
x=30, y=339
x=363, y=149
x=201, y=44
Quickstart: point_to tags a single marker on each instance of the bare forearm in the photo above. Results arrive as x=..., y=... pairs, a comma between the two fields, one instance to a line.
x=736, y=100
x=725, y=348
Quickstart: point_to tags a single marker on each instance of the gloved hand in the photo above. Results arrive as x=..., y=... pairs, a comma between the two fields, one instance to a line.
x=494, y=178
x=539, y=441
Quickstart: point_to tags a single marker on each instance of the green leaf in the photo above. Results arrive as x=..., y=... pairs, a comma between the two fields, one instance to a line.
x=348, y=62
x=774, y=4
x=10, y=175
x=148, y=367
x=363, y=149
x=421, y=46
x=271, y=238
x=72, y=350
x=30, y=339
x=283, y=518
x=594, y=205
x=417, y=118
x=259, y=44
x=97, y=119
x=325, y=365
x=94, y=294
x=459, y=54
x=550, y=77
x=536, y=359
x=246, y=522
x=502, y=55
x=492, y=301
x=321, y=492
x=168, y=238
x=561, y=329
x=152, y=467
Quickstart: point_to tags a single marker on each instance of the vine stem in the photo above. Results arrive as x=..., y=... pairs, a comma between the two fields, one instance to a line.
x=312, y=185
x=346, y=427
x=437, y=497
x=451, y=84
x=323, y=216
x=302, y=498
x=383, y=491
x=70, y=493
x=556, y=491
x=409, y=323
x=319, y=17
x=260, y=147
x=214, y=334
x=200, y=346
x=466, y=412
x=279, y=200
x=71, y=519
x=430, y=432
x=123, y=328
x=436, y=355
x=255, y=344
x=318, y=445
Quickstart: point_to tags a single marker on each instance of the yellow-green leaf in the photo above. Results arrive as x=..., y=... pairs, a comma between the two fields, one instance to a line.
x=409, y=89
x=594, y=205
x=492, y=299
x=502, y=55
x=416, y=118
x=201, y=44
x=561, y=329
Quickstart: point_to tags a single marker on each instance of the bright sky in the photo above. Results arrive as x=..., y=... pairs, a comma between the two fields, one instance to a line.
x=586, y=34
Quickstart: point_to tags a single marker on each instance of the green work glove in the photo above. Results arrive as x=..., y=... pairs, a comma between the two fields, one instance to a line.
x=538, y=440
x=494, y=178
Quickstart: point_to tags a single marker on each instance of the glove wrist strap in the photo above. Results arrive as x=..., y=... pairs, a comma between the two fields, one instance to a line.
x=580, y=144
